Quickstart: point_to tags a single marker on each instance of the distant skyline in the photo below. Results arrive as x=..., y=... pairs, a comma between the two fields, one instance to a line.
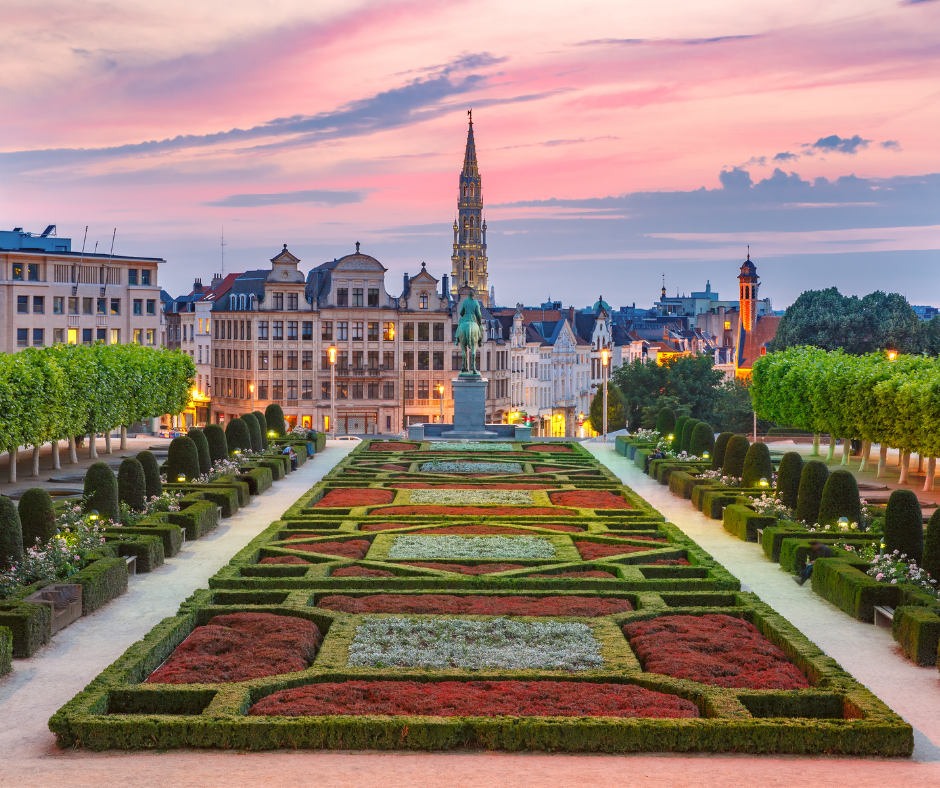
x=617, y=141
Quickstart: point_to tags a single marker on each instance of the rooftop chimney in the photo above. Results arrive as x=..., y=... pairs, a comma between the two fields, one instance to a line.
x=571, y=315
x=407, y=281
x=197, y=286
x=445, y=286
x=216, y=280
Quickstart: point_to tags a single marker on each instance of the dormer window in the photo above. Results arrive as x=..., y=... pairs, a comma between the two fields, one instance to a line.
x=423, y=301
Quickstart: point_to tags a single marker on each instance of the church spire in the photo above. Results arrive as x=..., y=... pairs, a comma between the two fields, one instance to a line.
x=468, y=261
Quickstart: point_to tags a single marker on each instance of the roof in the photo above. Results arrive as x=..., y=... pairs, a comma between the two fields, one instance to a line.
x=751, y=342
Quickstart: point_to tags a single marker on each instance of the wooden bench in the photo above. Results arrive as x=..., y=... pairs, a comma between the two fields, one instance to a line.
x=131, y=565
x=760, y=535
x=884, y=616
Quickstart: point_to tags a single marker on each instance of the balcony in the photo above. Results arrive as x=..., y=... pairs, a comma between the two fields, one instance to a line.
x=380, y=371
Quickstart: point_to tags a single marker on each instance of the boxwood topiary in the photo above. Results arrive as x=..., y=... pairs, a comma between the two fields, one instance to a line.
x=182, y=459
x=151, y=473
x=218, y=445
x=677, y=434
x=11, y=533
x=237, y=435
x=735, y=452
x=687, y=429
x=931, y=559
x=274, y=418
x=757, y=465
x=101, y=492
x=263, y=426
x=254, y=431
x=718, y=454
x=37, y=517
x=666, y=421
x=202, y=449
x=840, y=498
x=788, y=478
x=812, y=481
x=904, y=525
x=703, y=440
x=132, y=485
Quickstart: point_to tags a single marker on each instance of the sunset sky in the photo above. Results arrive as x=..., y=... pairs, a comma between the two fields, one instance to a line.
x=617, y=140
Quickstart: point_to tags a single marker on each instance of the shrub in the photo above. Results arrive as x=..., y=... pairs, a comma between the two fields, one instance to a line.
x=218, y=445
x=666, y=421
x=11, y=533
x=788, y=478
x=677, y=434
x=616, y=415
x=101, y=492
x=132, y=485
x=703, y=439
x=904, y=525
x=687, y=429
x=274, y=418
x=840, y=499
x=182, y=459
x=718, y=455
x=237, y=435
x=812, y=481
x=931, y=558
x=254, y=431
x=735, y=452
x=37, y=517
x=202, y=449
x=263, y=426
x=151, y=473
x=757, y=465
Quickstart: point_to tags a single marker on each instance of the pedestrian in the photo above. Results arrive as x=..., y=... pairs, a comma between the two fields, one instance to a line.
x=816, y=550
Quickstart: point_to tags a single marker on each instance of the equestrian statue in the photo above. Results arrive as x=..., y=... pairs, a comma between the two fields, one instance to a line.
x=469, y=335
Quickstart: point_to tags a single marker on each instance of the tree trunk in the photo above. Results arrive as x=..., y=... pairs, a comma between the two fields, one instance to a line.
x=846, y=449
x=56, y=462
x=13, y=452
x=931, y=472
x=92, y=450
x=882, y=459
x=36, y=460
x=73, y=450
x=815, y=451
x=920, y=462
x=866, y=453
x=905, y=467
x=107, y=442
x=830, y=455
x=123, y=437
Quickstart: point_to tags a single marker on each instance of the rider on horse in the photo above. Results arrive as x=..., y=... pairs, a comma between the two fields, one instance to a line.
x=469, y=334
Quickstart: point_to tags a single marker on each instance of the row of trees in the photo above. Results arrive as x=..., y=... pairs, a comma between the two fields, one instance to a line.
x=872, y=398
x=64, y=391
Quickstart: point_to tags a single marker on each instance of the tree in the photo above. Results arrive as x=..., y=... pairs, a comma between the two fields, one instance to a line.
x=218, y=445
x=615, y=410
x=735, y=452
x=665, y=421
x=788, y=478
x=11, y=534
x=152, y=482
x=101, y=492
x=132, y=484
x=757, y=465
x=812, y=481
x=703, y=440
x=274, y=417
x=840, y=498
x=182, y=460
x=202, y=449
x=904, y=525
x=37, y=517
x=254, y=430
x=687, y=384
x=263, y=425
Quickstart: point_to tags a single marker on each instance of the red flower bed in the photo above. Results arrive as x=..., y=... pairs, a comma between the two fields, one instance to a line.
x=639, y=538
x=392, y=446
x=715, y=649
x=355, y=496
x=588, y=607
x=239, y=647
x=360, y=571
x=510, y=511
x=551, y=447
x=589, y=499
x=478, y=530
x=473, y=699
x=390, y=467
x=578, y=575
x=501, y=486
x=464, y=569
x=670, y=562
x=283, y=559
x=356, y=548
x=591, y=550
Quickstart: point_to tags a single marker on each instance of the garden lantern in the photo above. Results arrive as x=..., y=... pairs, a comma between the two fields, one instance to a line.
x=181, y=478
x=763, y=482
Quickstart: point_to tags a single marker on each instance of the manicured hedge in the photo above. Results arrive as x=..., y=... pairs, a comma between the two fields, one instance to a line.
x=274, y=418
x=721, y=446
x=148, y=550
x=6, y=651
x=254, y=431
x=37, y=517
x=743, y=522
x=840, y=498
x=931, y=559
x=202, y=449
x=30, y=624
x=788, y=479
x=237, y=435
x=665, y=421
x=182, y=460
x=757, y=465
x=151, y=467
x=735, y=452
x=263, y=426
x=703, y=440
x=917, y=631
x=101, y=581
x=846, y=585
x=101, y=492
x=218, y=445
x=677, y=435
x=687, y=429
x=904, y=525
x=132, y=484
x=812, y=481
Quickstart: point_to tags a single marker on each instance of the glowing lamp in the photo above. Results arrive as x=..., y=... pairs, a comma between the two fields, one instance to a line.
x=332, y=352
x=706, y=455
x=181, y=477
x=93, y=515
x=272, y=434
x=670, y=437
x=892, y=355
x=763, y=482
x=605, y=356
x=251, y=387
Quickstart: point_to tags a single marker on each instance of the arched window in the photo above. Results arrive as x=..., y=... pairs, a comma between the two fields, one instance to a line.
x=231, y=302
x=747, y=292
x=472, y=189
x=423, y=300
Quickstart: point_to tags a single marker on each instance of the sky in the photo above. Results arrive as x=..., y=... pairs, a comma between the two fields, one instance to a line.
x=618, y=142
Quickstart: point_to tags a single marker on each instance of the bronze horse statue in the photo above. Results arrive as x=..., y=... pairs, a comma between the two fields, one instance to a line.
x=469, y=334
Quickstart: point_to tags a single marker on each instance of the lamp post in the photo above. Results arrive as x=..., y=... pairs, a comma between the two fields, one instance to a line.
x=251, y=388
x=605, y=358
x=332, y=352
x=440, y=391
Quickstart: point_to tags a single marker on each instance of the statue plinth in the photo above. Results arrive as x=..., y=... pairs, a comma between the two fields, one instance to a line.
x=469, y=408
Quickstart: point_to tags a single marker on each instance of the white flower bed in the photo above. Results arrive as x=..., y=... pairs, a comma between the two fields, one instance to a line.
x=420, y=547
x=469, y=446
x=459, y=466
x=474, y=645
x=472, y=497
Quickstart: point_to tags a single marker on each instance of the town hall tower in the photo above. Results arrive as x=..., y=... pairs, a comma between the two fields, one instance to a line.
x=468, y=261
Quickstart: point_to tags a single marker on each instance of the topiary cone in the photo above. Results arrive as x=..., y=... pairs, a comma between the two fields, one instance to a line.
x=788, y=479
x=931, y=559
x=718, y=455
x=687, y=429
x=812, y=481
x=132, y=484
x=840, y=498
x=677, y=435
x=904, y=525
x=703, y=440
x=218, y=445
x=757, y=466
x=237, y=435
x=666, y=422
x=263, y=426
x=11, y=534
x=182, y=460
x=152, y=483
x=274, y=418
x=101, y=492
x=37, y=517
x=735, y=452
x=202, y=449
x=254, y=431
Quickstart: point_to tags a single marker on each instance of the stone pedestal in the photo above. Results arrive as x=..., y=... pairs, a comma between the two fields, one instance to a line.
x=469, y=409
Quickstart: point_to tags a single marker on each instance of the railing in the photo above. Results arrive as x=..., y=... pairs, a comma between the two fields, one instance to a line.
x=353, y=372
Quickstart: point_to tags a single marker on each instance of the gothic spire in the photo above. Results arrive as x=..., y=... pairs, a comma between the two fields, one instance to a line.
x=470, y=155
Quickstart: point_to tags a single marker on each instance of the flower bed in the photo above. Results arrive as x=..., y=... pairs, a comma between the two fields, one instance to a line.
x=416, y=546
x=471, y=511
x=473, y=699
x=470, y=530
x=459, y=466
x=392, y=446
x=492, y=486
x=356, y=548
x=283, y=559
x=240, y=647
x=592, y=550
x=360, y=571
x=713, y=649
x=390, y=467
x=550, y=447
x=669, y=562
x=441, y=643
x=469, y=446
x=474, y=496
x=577, y=575
x=589, y=499
x=355, y=496
x=443, y=604
x=465, y=569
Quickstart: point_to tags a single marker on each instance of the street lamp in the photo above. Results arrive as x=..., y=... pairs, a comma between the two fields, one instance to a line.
x=605, y=358
x=251, y=388
x=332, y=352
x=440, y=391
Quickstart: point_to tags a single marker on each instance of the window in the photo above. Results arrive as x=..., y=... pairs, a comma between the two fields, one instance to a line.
x=357, y=359
x=88, y=306
x=145, y=276
x=423, y=301
x=423, y=333
x=372, y=389
x=151, y=336
x=132, y=276
x=436, y=390
x=357, y=389
x=342, y=296
x=22, y=305
x=373, y=334
x=262, y=329
x=101, y=335
x=374, y=360
x=409, y=389
x=324, y=360
x=278, y=302
x=342, y=330
x=763, y=350
x=388, y=359
x=279, y=359
x=306, y=390
x=292, y=359
x=18, y=271
x=277, y=387
x=424, y=360
x=58, y=305
x=306, y=330
x=408, y=360
x=324, y=389
x=326, y=330
x=422, y=389
x=408, y=332
x=439, y=359
x=73, y=336
x=291, y=389
x=357, y=330
x=727, y=324
x=58, y=336
x=341, y=390
x=152, y=310
x=115, y=336
x=307, y=359
x=388, y=331
x=86, y=336
x=373, y=296
x=292, y=330
x=262, y=389
x=453, y=332
x=388, y=390
x=357, y=296
x=262, y=359
x=22, y=337
x=438, y=332
x=138, y=306
x=277, y=330
x=292, y=300
x=34, y=272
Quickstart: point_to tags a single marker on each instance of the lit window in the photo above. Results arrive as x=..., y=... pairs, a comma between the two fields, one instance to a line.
x=423, y=301
x=115, y=336
x=73, y=336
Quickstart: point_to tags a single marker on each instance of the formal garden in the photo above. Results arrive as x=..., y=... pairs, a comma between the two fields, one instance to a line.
x=504, y=595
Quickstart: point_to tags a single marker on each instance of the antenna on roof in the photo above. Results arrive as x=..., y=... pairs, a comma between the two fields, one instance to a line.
x=83, y=245
x=222, y=243
x=112, y=244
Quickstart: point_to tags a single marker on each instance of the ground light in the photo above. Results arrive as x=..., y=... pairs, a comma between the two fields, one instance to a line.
x=705, y=455
x=93, y=515
x=763, y=482
x=181, y=477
